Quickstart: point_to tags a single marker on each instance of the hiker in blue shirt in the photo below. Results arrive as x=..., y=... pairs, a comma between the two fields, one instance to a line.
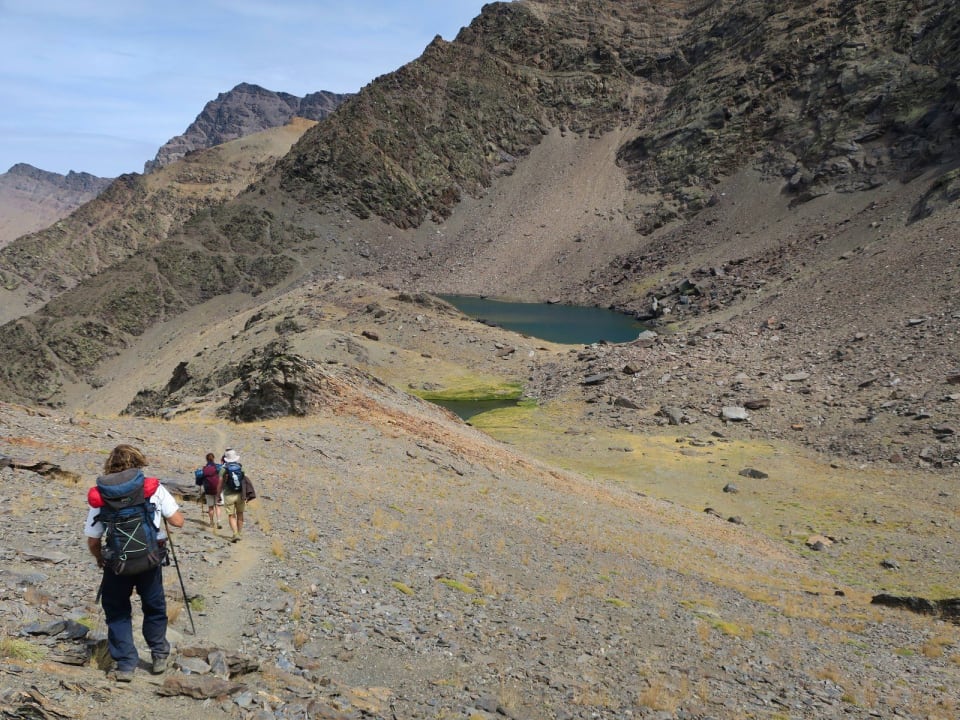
x=130, y=549
x=234, y=500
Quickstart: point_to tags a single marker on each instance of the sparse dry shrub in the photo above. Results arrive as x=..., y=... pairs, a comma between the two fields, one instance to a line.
x=489, y=586
x=831, y=673
x=174, y=609
x=511, y=699
x=658, y=696
x=313, y=535
x=867, y=695
x=277, y=548
x=562, y=590
x=384, y=521
x=261, y=520
x=931, y=649
x=595, y=697
x=934, y=647
x=760, y=596
x=33, y=596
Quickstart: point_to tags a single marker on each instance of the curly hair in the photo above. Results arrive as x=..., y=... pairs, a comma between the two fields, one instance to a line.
x=124, y=457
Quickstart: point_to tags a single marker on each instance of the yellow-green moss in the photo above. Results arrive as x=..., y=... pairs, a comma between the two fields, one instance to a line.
x=402, y=587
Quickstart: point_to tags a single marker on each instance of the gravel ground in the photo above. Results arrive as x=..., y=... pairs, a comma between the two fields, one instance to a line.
x=399, y=563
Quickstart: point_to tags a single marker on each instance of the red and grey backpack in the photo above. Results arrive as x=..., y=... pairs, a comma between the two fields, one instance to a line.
x=130, y=544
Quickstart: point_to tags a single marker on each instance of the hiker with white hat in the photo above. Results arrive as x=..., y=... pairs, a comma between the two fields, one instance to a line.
x=234, y=501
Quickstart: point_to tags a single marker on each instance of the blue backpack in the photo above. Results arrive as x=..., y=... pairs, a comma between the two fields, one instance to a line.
x=234, y=477
x=130, y=538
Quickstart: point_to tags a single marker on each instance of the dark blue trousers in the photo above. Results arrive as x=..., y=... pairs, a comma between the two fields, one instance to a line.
x=116, y=593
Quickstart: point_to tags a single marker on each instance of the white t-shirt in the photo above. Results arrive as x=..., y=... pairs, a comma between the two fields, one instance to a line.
x=166, y=506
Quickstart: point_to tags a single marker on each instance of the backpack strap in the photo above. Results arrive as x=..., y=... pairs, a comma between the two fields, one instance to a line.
x=95, y=499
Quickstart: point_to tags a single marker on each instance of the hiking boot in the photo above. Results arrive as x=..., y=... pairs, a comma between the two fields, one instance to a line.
x=159, y=664
x=123, y=676
x=219, y=526
x=235, y=538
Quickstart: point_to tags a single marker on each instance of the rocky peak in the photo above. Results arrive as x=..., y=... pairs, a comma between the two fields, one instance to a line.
x=244, y=110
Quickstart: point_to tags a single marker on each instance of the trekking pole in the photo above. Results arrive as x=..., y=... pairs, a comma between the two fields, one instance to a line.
x=183, y=589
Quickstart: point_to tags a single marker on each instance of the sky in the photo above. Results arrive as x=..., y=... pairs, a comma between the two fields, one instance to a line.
x=99, y=85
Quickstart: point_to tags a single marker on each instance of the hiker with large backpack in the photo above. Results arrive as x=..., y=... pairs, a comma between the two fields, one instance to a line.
x=208, y=477
x=124, y=534
x=234, y=498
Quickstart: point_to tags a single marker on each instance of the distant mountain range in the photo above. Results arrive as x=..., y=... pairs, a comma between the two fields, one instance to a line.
x=32, y=199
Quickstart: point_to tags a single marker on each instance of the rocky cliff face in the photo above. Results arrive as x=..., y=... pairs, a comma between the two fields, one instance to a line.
x=244, y=110
x=832, y=97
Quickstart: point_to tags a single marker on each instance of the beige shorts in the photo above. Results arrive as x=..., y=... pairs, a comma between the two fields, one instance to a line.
x=212, y=500
x=234, y=503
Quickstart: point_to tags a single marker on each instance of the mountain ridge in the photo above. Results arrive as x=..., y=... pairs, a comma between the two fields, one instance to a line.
x=132, y=213
x=32, y=199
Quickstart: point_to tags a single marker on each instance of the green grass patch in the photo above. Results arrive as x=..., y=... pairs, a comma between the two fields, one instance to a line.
x=18, y=649
x=457, y=585
x=617, y=602
x=500, y=422
x=726, y=627
x=472, y=392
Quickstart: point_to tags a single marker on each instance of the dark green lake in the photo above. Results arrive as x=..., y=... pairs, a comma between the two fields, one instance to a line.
x=566, y=324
